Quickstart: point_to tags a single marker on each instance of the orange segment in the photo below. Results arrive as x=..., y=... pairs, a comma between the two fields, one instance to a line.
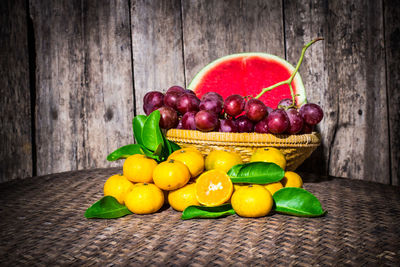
x=213, y=188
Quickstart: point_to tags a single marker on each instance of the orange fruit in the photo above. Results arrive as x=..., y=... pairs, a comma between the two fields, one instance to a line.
x=252, y=201
x=139, y=168
x=192, y=159
x=188, y=148
x=213, y=188
x=269, y=154
x=238, y=186
x=273, y=187
x=182, y=198
x=222, y=160
x=292, y=179
x=117, y=186
x=144, y=198
x=170, y=175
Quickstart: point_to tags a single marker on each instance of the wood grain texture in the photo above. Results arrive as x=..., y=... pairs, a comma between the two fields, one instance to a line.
x=212, y=29
x=15, y=102
x=305, y=21
x=356, y=72
x=392, y=44
x=59, y=81
x=84, y=82
x=108, y=96
x=156, y=47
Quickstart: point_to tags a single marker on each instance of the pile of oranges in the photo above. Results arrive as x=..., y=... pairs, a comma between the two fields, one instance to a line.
x=188, y=178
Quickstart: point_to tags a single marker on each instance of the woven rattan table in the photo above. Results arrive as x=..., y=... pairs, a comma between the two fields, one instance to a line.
x=42, y=223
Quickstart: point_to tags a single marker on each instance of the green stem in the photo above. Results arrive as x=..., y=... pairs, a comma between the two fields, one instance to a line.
x=289, y=81
x=293, y=96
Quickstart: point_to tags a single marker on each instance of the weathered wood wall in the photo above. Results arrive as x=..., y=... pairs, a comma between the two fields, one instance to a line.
x=15, y=96
x=84, y=95
x=74, y=74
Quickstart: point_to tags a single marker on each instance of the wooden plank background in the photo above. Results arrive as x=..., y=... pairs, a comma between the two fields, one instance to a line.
x=15, y=96
x=84, y=95
x=74, y=73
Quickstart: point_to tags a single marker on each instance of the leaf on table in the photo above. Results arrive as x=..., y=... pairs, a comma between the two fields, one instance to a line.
x=192, y=212
x=125, y=151
x=151, y=135
x=256, y=173
x=298, y=202
x=107, y=208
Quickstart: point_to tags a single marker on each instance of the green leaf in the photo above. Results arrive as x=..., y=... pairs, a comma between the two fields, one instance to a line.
x=169, y=147
x=107, y=208
x=151, y=132
x=256, y=173
x=298, y=202
x=158, y=150
x=125, y=151
x=174, y=146
x=234, y=171
x=137, y=125
x=192, y=212
x=154, y=155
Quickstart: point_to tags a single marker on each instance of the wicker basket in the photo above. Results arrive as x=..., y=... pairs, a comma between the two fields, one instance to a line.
x=296, y=148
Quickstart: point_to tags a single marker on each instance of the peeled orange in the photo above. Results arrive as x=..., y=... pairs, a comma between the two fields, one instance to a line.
x=213, y=188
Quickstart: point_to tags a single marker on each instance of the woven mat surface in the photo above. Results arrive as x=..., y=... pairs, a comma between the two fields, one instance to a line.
x=42, y=224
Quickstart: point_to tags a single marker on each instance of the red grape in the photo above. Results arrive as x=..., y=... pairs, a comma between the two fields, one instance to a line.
x=188, y=91
x=307, y=128
x=212, y=95
x=261, y=126
x=176, y=89
x=244, y=124
x=277, y=121
x=255, y=109
x=285, y=103
x=213, y=105
x=234, y=105
x=311, y=113
x=227, y=125
x=169, y=117
x=188, y=121
x=171, y=98
x=152, y=101
x=206, y=121
x=295, y=121
x=187, y=102
x=179, y=125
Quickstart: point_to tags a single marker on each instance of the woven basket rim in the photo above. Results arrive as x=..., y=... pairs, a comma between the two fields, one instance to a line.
x=244, y=139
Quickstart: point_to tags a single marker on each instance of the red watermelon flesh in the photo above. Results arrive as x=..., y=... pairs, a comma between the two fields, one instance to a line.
x=247, y=74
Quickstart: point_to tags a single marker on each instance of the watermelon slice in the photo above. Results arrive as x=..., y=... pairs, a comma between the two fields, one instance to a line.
x=247, y=74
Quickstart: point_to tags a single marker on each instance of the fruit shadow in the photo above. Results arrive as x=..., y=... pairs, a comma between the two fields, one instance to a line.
x=166, y=206
x=315, y=168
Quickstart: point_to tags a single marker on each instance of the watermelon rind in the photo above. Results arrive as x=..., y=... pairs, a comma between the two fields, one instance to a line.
x=300, y=90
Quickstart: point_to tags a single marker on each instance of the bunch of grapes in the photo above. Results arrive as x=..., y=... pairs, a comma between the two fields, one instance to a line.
x=181, y=108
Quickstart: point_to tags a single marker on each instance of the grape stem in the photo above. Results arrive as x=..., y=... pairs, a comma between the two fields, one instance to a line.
x=289, y=81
